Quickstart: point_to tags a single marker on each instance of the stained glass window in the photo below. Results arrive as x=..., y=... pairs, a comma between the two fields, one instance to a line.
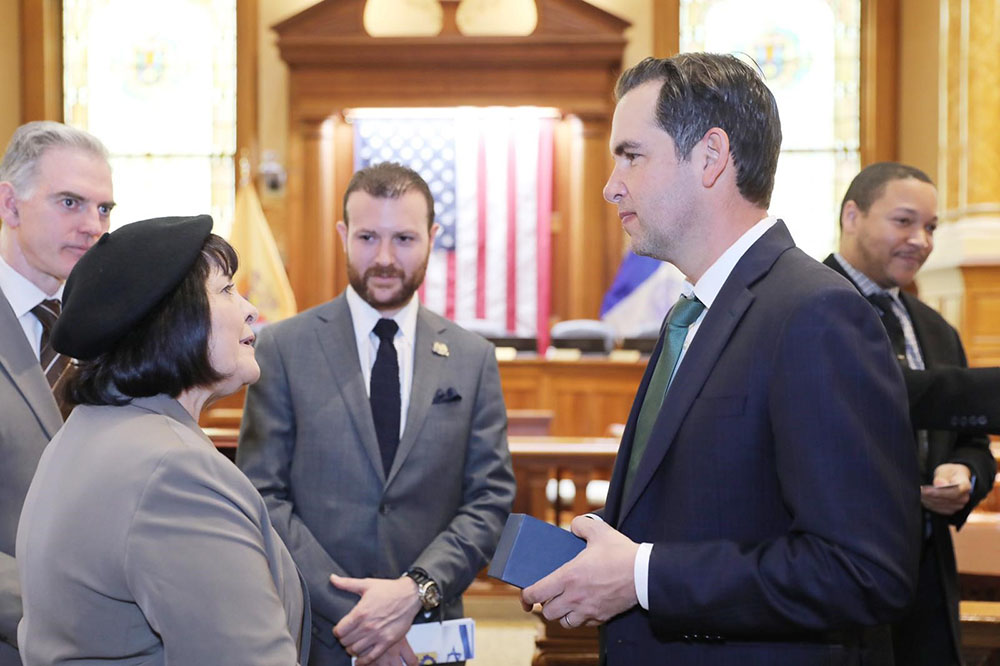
x=156, y=82
x=809, y=53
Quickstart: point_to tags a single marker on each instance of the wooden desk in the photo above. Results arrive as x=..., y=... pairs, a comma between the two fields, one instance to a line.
x=977, y=544
x=586, y=396
x=536, y=460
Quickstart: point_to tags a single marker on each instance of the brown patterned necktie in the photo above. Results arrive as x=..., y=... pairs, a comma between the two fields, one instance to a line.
x=53, y=363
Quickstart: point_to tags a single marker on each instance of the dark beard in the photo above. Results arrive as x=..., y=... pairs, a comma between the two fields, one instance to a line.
x=408, y=286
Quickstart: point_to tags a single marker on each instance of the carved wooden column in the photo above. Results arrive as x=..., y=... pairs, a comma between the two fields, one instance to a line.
x=591, y=259
x=41, y=60
x=962, y=276
x=313, y=248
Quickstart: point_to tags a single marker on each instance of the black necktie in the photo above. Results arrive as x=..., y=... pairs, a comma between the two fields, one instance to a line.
x=54, y=364
x=894, y=328
x=883, y=302
x=384, y=394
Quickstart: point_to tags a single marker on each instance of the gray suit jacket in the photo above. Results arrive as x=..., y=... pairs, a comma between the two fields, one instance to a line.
x=29, y=418
x=140, y=543
x=308, y=443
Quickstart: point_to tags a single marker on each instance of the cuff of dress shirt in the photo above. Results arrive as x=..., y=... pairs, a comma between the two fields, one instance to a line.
x=641, y=574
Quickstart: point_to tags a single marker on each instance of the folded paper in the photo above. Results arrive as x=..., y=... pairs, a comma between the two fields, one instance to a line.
x=442, y=642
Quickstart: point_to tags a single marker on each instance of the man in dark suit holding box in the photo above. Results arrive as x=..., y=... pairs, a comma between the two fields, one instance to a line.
x=763, y=508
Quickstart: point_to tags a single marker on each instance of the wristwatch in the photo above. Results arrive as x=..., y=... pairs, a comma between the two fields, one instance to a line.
x=427, y=589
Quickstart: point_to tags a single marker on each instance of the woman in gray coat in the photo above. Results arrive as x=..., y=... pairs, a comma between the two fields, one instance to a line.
x=139, y=543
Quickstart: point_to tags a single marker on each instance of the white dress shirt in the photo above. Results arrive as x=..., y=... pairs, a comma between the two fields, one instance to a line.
x=707, y=290
x=23, y=295
x=364, y=317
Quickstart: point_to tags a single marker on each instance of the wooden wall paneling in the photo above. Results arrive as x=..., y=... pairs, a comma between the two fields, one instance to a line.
x=879, y=80
x=666, y=28
x=562, y=204
x=343, y=169
x=980, y=313
x=41, y=60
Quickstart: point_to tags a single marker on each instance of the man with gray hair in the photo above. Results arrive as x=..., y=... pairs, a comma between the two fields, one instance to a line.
x=55, y=202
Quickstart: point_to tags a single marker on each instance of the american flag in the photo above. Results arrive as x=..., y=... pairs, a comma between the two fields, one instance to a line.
x=490, y=172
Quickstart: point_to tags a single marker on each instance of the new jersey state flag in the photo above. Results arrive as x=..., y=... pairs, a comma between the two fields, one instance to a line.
x=261, y=277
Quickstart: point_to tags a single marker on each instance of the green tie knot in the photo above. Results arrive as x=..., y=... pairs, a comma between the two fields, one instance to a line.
x=685, y=312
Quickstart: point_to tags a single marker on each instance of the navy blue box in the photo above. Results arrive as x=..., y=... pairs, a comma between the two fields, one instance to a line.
x=531, y=549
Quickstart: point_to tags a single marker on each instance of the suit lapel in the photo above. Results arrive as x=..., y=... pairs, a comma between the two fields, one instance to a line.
x=729, y=307
x=336, y=338
x=938, y=443
x=427, y=368
x=21, y=366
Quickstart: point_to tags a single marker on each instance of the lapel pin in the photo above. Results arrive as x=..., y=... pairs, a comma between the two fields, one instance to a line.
x=440, y=348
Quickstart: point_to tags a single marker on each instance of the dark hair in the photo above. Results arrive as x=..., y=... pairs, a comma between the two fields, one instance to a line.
x=389, y=180
x=869, y=185
x=704, y=90
x=167, y=351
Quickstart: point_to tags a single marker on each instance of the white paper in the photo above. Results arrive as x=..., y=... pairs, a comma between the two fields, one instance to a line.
x=442, y=642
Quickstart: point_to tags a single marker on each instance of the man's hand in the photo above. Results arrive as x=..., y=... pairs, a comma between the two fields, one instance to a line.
x=397, y=654
x=378, y=623
x=951, y=490
x=594, y=586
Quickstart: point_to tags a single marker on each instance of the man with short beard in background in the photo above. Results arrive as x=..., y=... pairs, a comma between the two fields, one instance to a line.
x=378, y=437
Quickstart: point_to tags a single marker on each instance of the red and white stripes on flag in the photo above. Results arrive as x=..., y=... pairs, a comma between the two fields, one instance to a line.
x=490, y=170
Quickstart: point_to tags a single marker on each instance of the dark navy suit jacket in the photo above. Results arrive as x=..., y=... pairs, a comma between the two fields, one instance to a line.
x=780, y=484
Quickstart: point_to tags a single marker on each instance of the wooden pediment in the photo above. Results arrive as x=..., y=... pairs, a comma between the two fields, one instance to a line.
x=332, y=31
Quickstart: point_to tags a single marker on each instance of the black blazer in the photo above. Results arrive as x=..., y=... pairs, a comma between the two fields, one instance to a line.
x=955, y=398
x=942, y=390
x=779, y=486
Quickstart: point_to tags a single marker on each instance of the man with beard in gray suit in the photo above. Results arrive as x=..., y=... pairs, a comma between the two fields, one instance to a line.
x=55, y=202
x=377, y=436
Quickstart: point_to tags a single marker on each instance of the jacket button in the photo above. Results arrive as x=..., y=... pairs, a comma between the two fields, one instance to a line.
x=383, y=509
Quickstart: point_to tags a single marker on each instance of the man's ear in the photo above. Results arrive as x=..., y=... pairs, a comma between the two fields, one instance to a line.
x=849, y=217
x=342, y=230
x=716, y=151
x=8, y=205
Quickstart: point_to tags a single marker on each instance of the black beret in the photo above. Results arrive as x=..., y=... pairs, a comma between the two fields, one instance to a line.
x=122, y=278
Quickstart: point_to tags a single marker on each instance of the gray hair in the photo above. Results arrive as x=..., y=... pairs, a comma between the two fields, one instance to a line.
x=29, y=143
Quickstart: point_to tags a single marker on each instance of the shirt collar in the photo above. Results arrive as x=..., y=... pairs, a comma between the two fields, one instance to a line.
x=866, y=285
x=364, y=316
x=710, y=284
x=22, y=293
